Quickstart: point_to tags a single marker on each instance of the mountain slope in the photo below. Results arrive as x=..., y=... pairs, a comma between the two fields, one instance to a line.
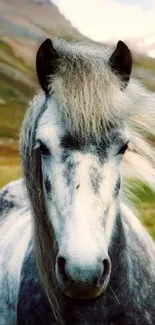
x=23, y=24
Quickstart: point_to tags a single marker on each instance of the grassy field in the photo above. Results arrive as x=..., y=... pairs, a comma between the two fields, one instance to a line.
x=10, y=167
x=145, y=205
x=18, y=86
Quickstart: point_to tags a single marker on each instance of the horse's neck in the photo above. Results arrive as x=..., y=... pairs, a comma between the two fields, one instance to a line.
x=133, y=257
x=119, y=254
x=137, y=238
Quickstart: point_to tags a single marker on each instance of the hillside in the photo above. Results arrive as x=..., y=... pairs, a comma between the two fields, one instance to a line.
x=23, y=25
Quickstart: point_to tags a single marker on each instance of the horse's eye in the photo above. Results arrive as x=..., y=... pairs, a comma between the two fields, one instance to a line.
x=123, y=149
x=44, y=150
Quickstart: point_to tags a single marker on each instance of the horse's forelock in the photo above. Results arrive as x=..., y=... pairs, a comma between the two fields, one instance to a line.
x=44, y=239
x=88, y=92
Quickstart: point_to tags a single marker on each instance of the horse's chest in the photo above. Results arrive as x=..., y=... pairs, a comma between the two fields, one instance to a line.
x=33, y=307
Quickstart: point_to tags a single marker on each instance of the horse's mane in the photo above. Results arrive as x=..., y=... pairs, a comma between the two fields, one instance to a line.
x=91, y=99
x=86, y=89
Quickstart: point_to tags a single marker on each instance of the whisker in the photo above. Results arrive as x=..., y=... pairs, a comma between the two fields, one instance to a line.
x=114, y=295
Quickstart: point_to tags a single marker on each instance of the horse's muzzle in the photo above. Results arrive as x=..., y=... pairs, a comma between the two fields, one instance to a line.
x=82, y=282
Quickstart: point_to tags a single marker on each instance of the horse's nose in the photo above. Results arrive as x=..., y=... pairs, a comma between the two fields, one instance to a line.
x=95, y=274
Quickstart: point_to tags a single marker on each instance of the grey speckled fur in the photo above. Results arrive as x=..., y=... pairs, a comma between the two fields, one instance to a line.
x=132, y=281
x=89, y=100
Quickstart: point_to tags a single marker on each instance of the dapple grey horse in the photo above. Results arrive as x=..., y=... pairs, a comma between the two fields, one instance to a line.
x=72, y=249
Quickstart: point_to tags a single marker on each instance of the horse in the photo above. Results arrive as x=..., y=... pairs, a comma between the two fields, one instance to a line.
x=73, y=248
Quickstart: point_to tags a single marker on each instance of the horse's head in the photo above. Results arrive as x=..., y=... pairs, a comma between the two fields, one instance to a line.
x=80, y=139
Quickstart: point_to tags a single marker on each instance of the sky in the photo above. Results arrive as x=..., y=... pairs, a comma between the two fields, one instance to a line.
x=108, y=20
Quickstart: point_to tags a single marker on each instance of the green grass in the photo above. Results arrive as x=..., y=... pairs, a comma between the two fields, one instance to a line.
x=8, y=57
x=145, y=204
x=17, y=88
x=144, y=193
x=15, y=93
x=11, y=87
x=9, y=173
x=11, y=120
x=10, y=166
x=148, y=217
x=144, y=62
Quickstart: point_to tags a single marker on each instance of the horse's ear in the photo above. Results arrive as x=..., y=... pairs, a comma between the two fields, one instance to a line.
x=121, y=62
x=46, y=62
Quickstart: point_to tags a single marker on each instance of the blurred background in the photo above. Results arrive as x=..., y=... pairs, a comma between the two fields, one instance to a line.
x=23, y=26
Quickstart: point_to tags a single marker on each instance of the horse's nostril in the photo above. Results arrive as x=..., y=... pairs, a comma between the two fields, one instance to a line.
x=69, y=274
x=61, y=266
x=61, y=263
x=106, y=269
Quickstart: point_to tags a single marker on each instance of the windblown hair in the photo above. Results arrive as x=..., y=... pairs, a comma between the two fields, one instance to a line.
x=90, y=98
x=87, y=89
x=44, y=240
